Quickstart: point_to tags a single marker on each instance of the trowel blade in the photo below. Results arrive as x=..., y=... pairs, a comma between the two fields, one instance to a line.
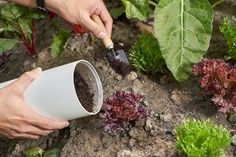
x=120, y=55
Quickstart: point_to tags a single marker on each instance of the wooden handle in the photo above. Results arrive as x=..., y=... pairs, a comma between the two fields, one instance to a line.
x=107, y=40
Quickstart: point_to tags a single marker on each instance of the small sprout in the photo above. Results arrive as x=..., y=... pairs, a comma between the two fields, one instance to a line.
x=146, y=55
x=229, y=31
x=34, y=152
x=121, y=109
x=219, y=80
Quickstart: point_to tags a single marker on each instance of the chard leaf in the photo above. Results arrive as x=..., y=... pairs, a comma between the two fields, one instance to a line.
x=136, y=9
x=2, y=26
x=59, y=42
x=183, y=29
x=25, y=25
x=7, y=44
x=12, y=11
x=117, y=12
x=35, y=14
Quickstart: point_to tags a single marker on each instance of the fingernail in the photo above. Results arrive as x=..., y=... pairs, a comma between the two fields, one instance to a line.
x=101, y=35
x=67, y=124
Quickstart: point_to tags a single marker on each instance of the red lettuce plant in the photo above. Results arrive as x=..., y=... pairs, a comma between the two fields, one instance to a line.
x=219, y=80
x=121, y=109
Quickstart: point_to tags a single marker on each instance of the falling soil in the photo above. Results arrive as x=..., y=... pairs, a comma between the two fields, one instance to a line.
x=83, y=92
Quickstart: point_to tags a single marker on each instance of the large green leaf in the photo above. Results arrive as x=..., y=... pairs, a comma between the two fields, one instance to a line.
x=137, y=9
x=59, y=42
x=183, y=29
x=7, y=44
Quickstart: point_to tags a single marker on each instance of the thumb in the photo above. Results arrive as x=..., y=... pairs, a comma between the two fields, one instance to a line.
x=24, y=81
x=93, y=27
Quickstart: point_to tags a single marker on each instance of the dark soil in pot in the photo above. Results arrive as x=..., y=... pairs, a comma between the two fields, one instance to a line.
x=83, y=92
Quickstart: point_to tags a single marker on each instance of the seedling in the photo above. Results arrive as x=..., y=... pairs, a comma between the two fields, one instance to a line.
x=38, y=152
x=219, y=80
x=146, y=55
x=197, y=138
x=229, y=31
x=121, y=109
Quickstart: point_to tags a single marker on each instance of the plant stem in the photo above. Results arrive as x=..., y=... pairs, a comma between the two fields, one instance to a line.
x=25, y=42
x=153, y=3
x=217, y=2
x=25, y=46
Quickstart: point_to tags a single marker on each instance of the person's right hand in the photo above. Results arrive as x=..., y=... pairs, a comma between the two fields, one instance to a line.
x=80, y=12
x=17, y=119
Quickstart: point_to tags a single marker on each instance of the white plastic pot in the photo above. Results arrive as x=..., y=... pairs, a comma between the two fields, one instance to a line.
x=53, y=94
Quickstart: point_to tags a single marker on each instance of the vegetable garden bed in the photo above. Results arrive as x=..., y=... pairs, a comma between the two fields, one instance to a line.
x=167, y=102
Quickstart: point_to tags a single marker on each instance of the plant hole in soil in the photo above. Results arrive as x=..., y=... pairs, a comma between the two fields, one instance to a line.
x=83, y=91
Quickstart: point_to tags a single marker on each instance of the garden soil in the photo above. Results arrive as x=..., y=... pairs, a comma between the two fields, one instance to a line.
x=168, y=101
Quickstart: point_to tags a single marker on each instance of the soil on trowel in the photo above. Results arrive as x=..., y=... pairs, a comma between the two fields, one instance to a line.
x=83, y=92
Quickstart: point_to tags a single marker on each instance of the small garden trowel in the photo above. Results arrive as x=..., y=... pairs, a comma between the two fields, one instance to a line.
x=117, y=59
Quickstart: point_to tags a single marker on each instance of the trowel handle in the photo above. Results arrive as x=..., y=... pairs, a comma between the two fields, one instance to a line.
x=107, y=40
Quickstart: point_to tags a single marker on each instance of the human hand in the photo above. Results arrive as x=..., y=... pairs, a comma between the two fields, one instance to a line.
x=17, y=119
x=80, y=11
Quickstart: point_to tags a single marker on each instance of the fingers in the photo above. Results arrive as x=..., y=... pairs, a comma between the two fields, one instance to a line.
x=45, y=123
x=30, y=129
x=24, y=81
x=24, y=136
x=15, y=134
x=107, y=19
x=93, y=27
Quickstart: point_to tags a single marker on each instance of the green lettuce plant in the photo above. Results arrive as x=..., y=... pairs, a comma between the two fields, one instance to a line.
x=146, y=56
x=202, y=138
x=229, y=31
x=38, y=152
x=183, y=29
